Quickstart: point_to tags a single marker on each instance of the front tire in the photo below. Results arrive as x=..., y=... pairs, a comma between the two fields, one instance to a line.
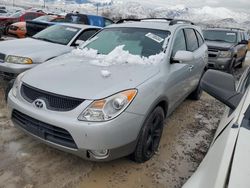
x=150, y=136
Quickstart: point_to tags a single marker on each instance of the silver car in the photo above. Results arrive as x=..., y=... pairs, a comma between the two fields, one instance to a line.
x=19, y=55
x=109, y=98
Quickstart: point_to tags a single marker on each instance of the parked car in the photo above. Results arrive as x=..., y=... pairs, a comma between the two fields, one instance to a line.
x=35, y=26
x=19, y=55
x=109, y=98
x=226, y=163
x=226, y=48
x=19, y=29
x=20, y=16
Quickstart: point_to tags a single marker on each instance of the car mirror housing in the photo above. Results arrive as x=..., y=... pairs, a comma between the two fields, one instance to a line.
x=78, y=42
x=221, y=86
x=243, y=42
x=183, y=56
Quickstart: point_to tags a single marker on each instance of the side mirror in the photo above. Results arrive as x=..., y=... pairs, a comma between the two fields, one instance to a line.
x=221, y=86
x=78, y=42
x=183, y=56
x=244, y=42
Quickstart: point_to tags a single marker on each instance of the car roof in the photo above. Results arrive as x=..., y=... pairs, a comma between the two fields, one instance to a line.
x=223, y=29
x=151, y=24
x=80, y=26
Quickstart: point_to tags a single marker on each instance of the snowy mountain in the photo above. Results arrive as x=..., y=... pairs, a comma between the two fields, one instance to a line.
x=218, y=16
x=116, y=9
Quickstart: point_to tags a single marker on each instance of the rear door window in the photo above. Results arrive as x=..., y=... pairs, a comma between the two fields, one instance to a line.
x=200, y=39
x=192, y=42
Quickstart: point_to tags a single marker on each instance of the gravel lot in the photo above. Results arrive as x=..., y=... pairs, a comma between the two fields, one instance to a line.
x=24, y=162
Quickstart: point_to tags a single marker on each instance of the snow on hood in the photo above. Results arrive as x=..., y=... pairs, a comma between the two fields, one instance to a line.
x=92, y=77
x=117, y=56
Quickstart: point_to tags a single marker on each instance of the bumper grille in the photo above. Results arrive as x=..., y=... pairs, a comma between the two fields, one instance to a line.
x=13, y=28
x=53, y=101
x=43, y=130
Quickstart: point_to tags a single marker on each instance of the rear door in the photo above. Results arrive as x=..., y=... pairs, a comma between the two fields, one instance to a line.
x=195, y=44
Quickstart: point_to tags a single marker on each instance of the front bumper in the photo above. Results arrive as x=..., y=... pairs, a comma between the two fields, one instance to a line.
x=13, y=68
x=119, y=136
x=219, y=63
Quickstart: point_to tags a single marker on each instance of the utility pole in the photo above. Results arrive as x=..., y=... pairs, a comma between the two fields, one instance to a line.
x=97, y=8
x=13, y=3
x=44, y=3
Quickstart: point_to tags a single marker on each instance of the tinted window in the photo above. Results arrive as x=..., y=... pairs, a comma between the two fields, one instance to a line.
x=192, y=43
x=57, y=34
x=200, y=39
x=87, y=34
x=137, y=41
x=107, y=22
x=224, y=36
x=76, y=18
x=179, y=43
x=30, y=16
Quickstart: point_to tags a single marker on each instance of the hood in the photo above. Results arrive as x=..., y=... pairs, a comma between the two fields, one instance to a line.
x=219, y=45
x=39, y=51
x=74, y=76
x=19, y=24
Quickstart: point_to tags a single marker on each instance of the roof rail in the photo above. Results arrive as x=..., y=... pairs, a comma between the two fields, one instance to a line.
x=170, y=20
x=229, y=28
x=178, y=21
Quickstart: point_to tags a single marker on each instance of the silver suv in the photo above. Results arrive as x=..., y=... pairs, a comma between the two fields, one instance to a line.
x=109, y=98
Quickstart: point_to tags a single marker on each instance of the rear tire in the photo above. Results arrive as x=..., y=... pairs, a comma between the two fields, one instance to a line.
x=150, y=136
x=231, y=67
x=196, y=94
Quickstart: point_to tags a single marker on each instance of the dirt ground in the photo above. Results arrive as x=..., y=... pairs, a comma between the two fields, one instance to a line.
x=26, y=163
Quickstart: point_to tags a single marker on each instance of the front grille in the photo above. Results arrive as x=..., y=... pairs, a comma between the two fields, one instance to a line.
x=213, y=50
x=53, y=101
x=43, y=130
x=2, y=57
x=212, y=55
x=13, y=28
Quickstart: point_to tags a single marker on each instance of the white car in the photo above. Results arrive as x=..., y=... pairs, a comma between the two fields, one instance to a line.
x=227, y=163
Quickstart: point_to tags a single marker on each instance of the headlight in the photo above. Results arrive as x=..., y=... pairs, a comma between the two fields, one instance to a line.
x=108, y=108
x=22, y=28
x=225, y=54
x=17, y=84
x=18, y=60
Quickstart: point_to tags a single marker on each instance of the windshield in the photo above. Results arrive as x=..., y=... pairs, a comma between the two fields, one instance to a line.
x=137, y=41
x=46, y=18
x=60, y=34
x=224, y=36
x=17, y=14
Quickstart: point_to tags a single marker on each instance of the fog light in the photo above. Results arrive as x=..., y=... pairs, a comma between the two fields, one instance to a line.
x=102, y=153
x=222, y=66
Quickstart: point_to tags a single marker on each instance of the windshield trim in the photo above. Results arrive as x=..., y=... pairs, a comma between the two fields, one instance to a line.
x=109, y=28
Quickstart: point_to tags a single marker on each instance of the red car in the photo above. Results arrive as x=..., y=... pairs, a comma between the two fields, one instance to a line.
x=7, y=20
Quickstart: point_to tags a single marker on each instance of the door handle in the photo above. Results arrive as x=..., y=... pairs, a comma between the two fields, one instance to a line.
x=191, y=67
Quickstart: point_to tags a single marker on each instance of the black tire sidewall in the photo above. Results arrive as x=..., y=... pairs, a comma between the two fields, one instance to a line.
x=139, y=154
